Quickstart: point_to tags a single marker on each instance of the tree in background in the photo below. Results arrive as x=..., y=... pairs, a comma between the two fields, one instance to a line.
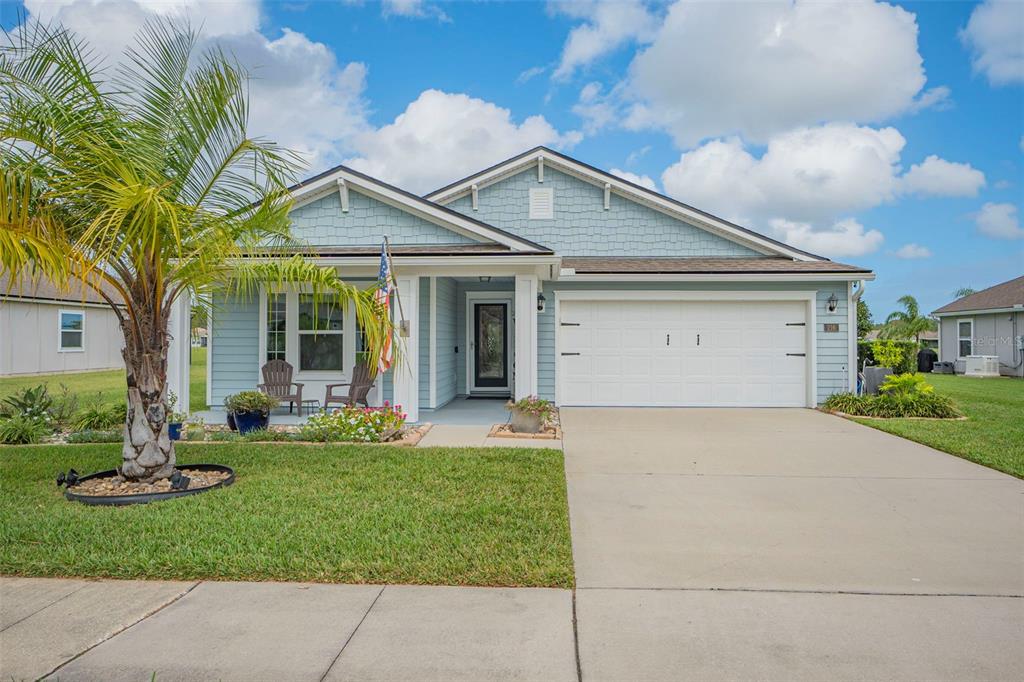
x=964, y=291
x=907, y=323
x=864, y=322
x=142, y=182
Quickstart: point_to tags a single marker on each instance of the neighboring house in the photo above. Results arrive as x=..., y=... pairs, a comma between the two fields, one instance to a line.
x=199, y=337
x=543, y=275
x=44, y=329
x=929, y=338
x=988, y=322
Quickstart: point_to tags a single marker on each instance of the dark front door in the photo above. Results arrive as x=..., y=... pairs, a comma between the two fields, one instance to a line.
x=490, y=353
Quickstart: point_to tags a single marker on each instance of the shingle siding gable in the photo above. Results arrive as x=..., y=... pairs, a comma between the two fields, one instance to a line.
x=322, y=223
x=582, y=226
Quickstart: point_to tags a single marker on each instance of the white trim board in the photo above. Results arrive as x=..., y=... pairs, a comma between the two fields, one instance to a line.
x=622, y=188
x=328, y=184
x=60, y=330
x=809, y=298
x=507, y=297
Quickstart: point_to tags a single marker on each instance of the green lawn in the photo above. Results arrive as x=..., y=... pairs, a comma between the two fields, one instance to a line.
x=108, y=384
x=354, y=514
x=992, y=435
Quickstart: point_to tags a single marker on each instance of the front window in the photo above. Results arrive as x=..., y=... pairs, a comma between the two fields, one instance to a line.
x=965, y=338
x=72, y=330
x=321, y=333
x=277, y=326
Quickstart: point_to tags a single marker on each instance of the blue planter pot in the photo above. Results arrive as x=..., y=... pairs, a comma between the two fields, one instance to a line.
x=174, y=431
x=251, y=421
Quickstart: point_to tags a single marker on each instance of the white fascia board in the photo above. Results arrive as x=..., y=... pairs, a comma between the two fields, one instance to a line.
x=982, y=311
x=328, y=184
x=649, y=199
x=724, y=277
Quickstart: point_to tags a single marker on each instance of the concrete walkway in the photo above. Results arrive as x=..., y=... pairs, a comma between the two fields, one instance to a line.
x=709, y=544
x=460, y=436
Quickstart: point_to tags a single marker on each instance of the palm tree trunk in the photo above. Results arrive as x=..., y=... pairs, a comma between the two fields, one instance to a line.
x=148, y=451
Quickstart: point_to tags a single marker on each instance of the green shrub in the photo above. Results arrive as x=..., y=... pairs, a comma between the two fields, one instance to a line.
x=906, y=385
x=355, y=424
x=250, y=401
x=195, y=433
x=65, y=405
x=907, y=361
x=93, y=436
x=266, y=436
x=225, y=436
x=33, y=403
x=891, y=405
x=100, y=417
x=23, y=429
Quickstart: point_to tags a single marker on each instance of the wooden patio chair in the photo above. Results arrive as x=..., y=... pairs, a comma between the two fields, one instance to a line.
x=277, y=383
x=358, y=388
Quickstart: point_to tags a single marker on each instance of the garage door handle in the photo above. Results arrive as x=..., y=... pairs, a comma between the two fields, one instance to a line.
x=797, y=355
x=570, y=353
x=570, y=324
x=796, y=324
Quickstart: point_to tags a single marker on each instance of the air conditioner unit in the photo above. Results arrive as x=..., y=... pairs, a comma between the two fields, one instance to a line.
x=982, y=366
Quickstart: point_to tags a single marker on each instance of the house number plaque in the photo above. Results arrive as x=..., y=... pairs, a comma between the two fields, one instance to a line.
x=831, y=326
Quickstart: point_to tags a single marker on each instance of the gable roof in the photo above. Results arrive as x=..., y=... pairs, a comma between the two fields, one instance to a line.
x=1001, y=296
x=37, y=288
x=643, y=195
x=331, y=181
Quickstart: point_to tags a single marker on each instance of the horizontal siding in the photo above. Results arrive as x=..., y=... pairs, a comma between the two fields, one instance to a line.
x=832, y=347
x=582, y=226
x=446, y=341
x=234, y=359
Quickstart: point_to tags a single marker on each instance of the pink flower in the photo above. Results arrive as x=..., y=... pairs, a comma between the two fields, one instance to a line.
x=386, y=403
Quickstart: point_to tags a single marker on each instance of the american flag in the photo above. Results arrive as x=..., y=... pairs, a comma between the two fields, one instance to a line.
x=383, y=297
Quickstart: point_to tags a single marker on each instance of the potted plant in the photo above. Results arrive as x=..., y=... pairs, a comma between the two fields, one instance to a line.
x=530, y=414
x=250, y=409
x=174, y=419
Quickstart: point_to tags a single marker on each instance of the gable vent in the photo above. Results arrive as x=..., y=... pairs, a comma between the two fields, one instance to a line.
x=542, y=203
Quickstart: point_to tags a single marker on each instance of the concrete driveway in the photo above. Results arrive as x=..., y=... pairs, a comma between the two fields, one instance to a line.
x=786, y=543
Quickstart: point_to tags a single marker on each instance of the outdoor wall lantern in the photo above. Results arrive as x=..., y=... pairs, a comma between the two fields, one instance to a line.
x=540, y=302
x=833, y=303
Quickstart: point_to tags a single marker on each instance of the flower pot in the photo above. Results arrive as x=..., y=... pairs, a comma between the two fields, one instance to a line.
x=231, y=422
x=251, y=421
x=174, y=430
x=525, y=422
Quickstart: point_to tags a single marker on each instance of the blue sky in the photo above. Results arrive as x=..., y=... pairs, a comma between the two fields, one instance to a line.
x=805, y=122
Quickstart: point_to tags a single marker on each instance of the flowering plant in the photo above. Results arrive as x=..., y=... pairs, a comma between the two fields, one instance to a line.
x=355, y=424
x=533, y=405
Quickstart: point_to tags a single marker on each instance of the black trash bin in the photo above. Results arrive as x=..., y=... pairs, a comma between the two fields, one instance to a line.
x=926, y=359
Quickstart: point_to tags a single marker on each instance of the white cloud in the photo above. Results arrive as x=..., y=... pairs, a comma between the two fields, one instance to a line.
x=443, y=136
x=530, y=74
x=413, y=9
x=995, y=36
x=597, y=109
x=642, y=180
x=757, y=69
x=806, y=175
x=607, y=26
x=300, y=96
x=940, y=177
x=999, y=221
x=913, y=251
x=843, y=239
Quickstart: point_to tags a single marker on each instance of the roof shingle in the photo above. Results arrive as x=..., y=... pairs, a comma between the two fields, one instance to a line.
x=1005, y=295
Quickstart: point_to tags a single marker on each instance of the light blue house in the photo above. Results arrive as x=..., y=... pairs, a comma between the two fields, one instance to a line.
x=543, y=275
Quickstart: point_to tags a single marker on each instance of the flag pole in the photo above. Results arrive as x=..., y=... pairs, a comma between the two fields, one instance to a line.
x=394, y=280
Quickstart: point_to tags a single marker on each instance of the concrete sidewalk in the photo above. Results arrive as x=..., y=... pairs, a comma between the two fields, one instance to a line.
x=128, y=630
x=461, y=436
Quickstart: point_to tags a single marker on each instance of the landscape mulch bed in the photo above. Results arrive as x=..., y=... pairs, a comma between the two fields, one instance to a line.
x=551, y=432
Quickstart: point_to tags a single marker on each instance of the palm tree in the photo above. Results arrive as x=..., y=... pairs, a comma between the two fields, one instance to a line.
x=907, y=323
x=141, y=182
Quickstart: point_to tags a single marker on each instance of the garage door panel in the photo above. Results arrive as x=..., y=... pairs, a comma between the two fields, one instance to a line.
x=646, y=353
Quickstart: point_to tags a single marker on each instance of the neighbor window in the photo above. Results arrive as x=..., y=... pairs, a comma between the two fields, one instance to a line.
x=965, y=338
x=277, y=326
x=321, y=333
x=72, y=330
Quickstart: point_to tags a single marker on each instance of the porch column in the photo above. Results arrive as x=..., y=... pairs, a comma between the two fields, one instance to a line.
x=179, y=354
x=525, y=376
x=407, y=372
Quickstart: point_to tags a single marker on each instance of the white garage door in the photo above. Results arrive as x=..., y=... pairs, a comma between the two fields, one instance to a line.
x=697, y=353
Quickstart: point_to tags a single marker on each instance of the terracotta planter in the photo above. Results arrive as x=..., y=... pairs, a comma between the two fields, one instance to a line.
x=524, y=422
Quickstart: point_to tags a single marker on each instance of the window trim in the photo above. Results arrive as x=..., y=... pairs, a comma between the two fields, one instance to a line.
x=292, y=336
x=960, y=338
x=299, y=333
x=60, y=330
